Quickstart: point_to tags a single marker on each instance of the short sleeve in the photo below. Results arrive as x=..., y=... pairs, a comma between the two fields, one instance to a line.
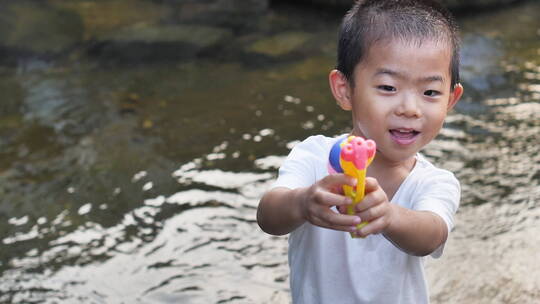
x=300, y=167
x=440, y=194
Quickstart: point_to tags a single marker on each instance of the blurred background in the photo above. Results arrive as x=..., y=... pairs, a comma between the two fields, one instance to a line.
x=136, y=137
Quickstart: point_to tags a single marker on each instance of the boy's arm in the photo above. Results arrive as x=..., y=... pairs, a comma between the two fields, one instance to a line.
x=279, y=211
x=415, y=232
x=282, y=210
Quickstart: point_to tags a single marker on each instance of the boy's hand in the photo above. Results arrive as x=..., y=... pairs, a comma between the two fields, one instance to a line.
x=374, y=208
x=324, y=194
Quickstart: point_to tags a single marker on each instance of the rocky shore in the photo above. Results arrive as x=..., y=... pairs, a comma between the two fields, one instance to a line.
x=137, y=30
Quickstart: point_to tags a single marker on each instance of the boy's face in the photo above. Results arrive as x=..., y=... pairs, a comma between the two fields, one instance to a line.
x=401, y=96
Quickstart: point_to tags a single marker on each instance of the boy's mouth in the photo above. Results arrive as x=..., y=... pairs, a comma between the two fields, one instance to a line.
x=404, y=136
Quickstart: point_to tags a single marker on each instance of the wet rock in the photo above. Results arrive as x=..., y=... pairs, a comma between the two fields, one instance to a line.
x=229, y=13
x=198, y=36
x=105, y=17
x=489, y=257
x=159, y=42
x=279, y=44
x=244, y=6
x=35, y=28
x=12, y=97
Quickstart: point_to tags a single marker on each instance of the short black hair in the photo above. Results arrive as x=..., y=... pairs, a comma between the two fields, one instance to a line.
x=370, y=21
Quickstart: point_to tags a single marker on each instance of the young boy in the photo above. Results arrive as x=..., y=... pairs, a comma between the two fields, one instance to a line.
x=398, y=74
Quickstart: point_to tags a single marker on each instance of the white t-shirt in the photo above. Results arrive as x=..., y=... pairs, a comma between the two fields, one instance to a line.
x=329, y=266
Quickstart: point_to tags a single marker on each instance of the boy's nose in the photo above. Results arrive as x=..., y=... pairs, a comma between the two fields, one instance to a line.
x=409, y=107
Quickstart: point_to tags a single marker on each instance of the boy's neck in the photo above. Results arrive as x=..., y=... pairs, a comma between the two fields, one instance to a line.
x=384, y=164
x=390, y=174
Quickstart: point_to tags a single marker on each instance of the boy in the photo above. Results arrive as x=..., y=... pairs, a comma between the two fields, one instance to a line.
x=398, y=74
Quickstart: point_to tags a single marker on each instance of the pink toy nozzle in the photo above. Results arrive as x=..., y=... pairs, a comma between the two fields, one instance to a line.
x=370, y=148
x=358, y=151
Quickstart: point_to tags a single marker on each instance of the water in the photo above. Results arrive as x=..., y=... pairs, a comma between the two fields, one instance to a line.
x=131, y=173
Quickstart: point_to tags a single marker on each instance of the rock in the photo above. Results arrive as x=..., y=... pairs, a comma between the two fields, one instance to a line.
x=230, y=6
x=101, y=18
x=229, y=13
x=159, y=42
x=198, y=36
x=12, y=96
x=279, y=44
x=37, y=28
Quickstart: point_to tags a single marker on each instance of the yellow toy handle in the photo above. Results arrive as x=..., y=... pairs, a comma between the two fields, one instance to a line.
x=358, y=195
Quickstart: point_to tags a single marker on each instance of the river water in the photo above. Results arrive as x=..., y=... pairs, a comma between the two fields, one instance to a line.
x=131, y=174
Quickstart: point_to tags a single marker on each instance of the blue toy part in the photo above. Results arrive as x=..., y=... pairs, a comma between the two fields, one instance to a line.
x=335, y=154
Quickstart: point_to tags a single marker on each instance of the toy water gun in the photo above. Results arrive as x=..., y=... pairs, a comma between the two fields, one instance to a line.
x=352, y=155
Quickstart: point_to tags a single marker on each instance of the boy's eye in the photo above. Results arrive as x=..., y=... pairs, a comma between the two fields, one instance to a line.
x=432, y=93
x=387, y=88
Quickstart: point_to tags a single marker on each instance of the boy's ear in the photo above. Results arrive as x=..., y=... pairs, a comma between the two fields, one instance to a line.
x=455, y=95
x=340, y=89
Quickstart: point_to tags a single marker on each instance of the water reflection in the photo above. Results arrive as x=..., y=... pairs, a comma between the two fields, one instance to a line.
x=138, y=181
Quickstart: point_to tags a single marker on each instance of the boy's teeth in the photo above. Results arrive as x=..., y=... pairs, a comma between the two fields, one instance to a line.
x=403, y=133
